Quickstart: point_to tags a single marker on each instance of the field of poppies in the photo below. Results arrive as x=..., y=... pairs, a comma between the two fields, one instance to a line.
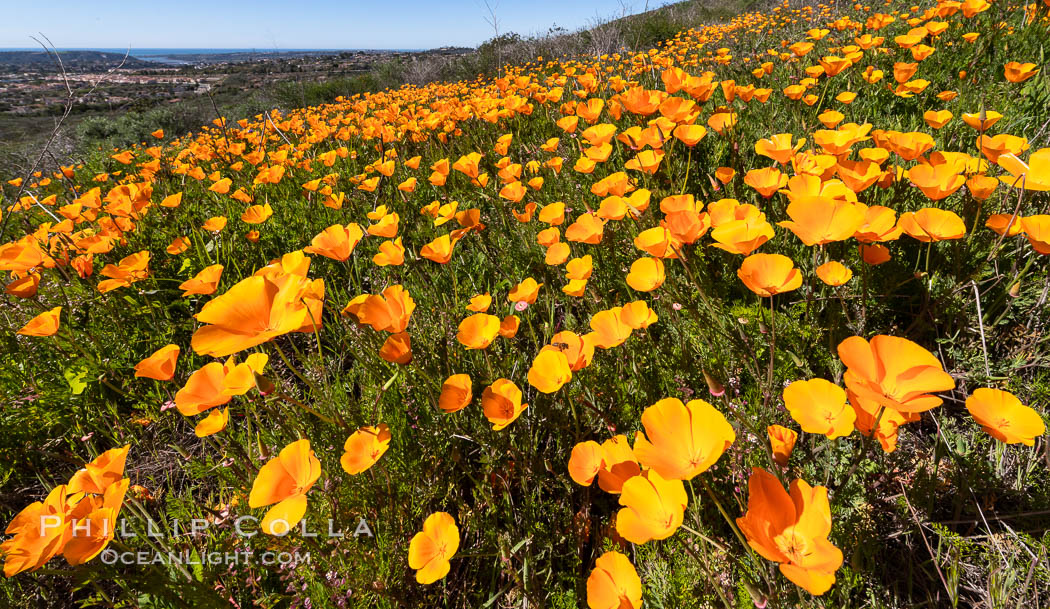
x=756, y=318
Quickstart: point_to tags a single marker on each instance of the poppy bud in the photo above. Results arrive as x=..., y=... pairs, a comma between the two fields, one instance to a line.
x=265, y=385
x=1015, y=290
x=714, y=386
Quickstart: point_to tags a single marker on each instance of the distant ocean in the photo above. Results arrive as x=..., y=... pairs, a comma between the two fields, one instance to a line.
x=171, y=56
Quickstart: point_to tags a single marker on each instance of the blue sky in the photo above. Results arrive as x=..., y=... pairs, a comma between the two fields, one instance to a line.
x=270, y=24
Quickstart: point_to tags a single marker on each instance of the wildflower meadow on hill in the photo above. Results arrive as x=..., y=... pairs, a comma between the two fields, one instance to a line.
x=755, y=318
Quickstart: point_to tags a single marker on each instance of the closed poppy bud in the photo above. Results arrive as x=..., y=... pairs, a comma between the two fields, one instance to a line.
x=478, y=331
x=431, y=549
x=614, y=583
x=159, y=366
x=397, y=349
x=252, y=235
x=456, y=393
x=44, y=324
x=769, y=274
x=508, y=327
x=585, y=462
x=549, y=371
x=834, y=273
x=782, y=441
x=364, y=447
x=646, y=274
x=1004, y=417
x=819, y=407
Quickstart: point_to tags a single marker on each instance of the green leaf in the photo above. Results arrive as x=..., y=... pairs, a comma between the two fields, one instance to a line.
x=75, y=377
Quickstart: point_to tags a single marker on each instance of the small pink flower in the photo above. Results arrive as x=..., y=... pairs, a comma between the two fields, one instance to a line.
x=87, y=437
x=677, y=306
x=520, y=306
x=167, y=406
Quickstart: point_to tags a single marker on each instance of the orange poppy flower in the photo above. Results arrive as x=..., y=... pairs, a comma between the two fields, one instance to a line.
x=250, y=313
x=782, y=442
x=682, y=440
x=743, y=235
x=1019, y=72
x=391, y=253
x=585, y=461
x=389, y=312
x=819, y=407
x=893, y=372
x=397, y=349
x=214, y=224
x=439, y=250
x=480, y=303
x=508, y=327
x=792, y=529
x=608, y=329
x=44, y=324
x=578, y=351
x=769, y=274
x=501, y=403
x=1033, y=176
x=478, y=331
x=766, y=181
x=526, y=291
x=834, y=273
x=1004, y=417
x=257, y=214
x=364, y=447
x=1037, y=231
x=936, y=182
x=101, y=473
x=779, y=147
x=26, y=287
x=637, y=315
x=646, y=274
x=284, y=481
x=930, y=224
x=456, y=393
x=204, y=282
x=550, y=371
x=160, y=366
x=431, y=549
x=653, y=507
x=1007, y=224
x=614, y=583
x=336, y=242
x=817, y=220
